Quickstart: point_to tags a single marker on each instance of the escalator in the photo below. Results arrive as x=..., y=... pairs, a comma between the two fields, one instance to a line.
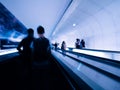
x=91, y=69
x=14, y=75
x=69, y=70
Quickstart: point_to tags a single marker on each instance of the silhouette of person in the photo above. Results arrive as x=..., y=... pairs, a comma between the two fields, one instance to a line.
x=56, y=45
x=77, y=44
x=63, y=47
x=25, y=53
x=41, y=47
x=82, y=43
x=41, y=61
x=24, y=46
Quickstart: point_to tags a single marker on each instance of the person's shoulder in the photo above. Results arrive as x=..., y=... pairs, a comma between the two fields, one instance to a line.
x=24, y=39
x=36, y=39
x=46, y=39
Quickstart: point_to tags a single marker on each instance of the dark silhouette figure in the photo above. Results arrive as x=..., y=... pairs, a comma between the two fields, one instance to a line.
x=82, y=43
x=56, y=45
x=25, y=57
x=63, y=47
x=41, y=46
x=41, y=63
x=24, y=46
x=77, y=44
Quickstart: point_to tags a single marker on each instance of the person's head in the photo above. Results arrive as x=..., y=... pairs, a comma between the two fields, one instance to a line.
x=40, y=30
x=77, y=40
x=63, y=42
x=30, y=32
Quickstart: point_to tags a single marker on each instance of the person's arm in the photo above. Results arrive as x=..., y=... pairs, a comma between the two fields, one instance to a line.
x=19, y=46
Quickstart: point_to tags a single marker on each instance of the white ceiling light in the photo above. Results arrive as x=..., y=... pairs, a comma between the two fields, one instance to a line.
x=74, y=24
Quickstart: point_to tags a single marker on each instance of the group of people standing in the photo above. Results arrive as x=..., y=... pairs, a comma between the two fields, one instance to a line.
x=34, y=50
x=63, y=45
x=80, y=44
x=38, y=49
x=35, y=59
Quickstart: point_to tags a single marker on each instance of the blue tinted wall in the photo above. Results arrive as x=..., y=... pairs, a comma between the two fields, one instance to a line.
x=10, y=27
x=96, y=21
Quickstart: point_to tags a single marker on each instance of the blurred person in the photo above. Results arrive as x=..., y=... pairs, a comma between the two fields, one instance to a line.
x=24, y=46
x=63, y=46
x=82, y=43
x=41, y=61
x=41, y=47
x=25, y=51
x=77, y=44
x=56, y=45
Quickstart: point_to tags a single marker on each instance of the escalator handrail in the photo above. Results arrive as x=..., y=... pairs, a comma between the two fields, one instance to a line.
x=109, y=74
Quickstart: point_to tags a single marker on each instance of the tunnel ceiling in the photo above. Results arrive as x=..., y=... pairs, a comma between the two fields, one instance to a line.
x=77, y=13
x=57, y=16
x=38, y=12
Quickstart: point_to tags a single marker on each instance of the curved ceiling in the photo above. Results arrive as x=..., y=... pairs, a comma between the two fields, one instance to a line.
x=38, y=12
x=78, y=12
x=96, y=21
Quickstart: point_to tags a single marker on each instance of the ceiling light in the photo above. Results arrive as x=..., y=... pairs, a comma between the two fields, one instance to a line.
x=74, y=25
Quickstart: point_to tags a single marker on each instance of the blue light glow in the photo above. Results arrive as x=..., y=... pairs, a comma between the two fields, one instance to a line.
x=8, y=51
